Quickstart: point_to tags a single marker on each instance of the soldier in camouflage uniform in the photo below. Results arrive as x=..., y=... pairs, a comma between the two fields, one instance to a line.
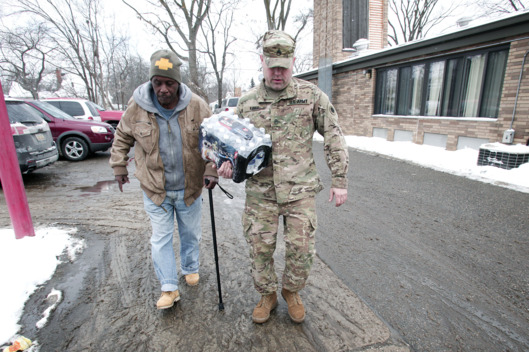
x=290, y=110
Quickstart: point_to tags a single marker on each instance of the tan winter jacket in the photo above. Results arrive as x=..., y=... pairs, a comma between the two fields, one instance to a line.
x=139, y=129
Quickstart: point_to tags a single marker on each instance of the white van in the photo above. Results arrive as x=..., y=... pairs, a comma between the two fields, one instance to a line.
x=229, y=105
x=79, y=108
x=213, y=106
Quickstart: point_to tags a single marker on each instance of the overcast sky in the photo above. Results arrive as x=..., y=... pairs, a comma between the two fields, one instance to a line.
x=250, y=22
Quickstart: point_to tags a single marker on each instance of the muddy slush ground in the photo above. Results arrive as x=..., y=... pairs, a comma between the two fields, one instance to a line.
x=415, y=255
x=110, y=290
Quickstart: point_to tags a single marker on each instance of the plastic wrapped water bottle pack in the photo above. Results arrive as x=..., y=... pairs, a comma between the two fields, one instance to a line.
x=225, y=137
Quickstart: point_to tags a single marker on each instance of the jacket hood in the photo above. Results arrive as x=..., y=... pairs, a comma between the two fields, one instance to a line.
x=144, y=93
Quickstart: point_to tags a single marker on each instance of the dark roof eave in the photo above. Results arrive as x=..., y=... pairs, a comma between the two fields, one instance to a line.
x=493, y=31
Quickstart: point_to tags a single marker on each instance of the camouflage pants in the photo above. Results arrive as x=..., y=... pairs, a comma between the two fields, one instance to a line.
x=260, y=222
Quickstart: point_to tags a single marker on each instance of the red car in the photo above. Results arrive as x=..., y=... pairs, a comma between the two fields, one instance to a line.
x=111, y=117
x=75, y=138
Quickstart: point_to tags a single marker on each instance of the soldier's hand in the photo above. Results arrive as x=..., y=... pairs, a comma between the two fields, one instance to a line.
x=340, y=194
x=225, y=170
x=121, y=179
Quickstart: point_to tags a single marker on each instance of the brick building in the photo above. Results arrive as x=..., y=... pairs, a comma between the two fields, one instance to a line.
x=454, y=91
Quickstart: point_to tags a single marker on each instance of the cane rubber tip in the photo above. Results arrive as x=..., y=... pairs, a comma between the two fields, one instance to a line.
x=221, y=306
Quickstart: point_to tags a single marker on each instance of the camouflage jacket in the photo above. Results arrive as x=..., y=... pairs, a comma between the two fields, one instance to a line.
x=291, y=120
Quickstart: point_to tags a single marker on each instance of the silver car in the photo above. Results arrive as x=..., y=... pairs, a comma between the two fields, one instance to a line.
x=32, y=136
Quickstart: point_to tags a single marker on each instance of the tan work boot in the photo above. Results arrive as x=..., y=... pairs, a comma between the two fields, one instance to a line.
x=168, y=299
x=296, y=311
x=192, y=279
x=261, y=312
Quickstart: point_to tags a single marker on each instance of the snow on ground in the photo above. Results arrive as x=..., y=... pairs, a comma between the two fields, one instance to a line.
x=27, y=263
x=462, y=162
x=22, y=276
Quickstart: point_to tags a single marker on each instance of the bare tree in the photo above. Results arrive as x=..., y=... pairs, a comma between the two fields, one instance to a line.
x=167, y=21
x=489, y=7
x=126, y=73
x=117, y=60
x=82, y=49
x=413, y=19
x=75, y=30
x=278, y=11
x=23, y=54
x=277, y=17
x=303, y=63
x=301, y=21
x=218, y=39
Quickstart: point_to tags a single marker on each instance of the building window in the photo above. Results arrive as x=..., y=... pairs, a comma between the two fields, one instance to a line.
x=434, y=86
x=411, y=90
x=355, y=19
x=388, y=89
x=464, y=85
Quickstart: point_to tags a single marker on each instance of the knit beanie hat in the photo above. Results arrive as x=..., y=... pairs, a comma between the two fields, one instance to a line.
x=165, y=63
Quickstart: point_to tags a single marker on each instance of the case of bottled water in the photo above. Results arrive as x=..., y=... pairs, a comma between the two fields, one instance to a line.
x=226, y=137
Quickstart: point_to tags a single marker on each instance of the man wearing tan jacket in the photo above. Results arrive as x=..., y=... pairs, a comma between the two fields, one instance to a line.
x=162, y=122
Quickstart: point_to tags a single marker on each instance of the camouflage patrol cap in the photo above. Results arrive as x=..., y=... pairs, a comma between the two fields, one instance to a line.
x=165, y=63
x=278, y=49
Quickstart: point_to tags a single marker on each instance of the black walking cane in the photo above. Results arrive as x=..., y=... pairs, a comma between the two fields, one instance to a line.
x=212, y=213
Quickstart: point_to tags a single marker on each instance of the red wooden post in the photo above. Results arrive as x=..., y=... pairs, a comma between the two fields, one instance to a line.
x=12, y=183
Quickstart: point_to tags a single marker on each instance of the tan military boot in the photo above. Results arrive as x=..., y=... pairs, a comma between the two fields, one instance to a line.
x=168, y=299
x=296, y=311
x=261, y=312
x=192, y=279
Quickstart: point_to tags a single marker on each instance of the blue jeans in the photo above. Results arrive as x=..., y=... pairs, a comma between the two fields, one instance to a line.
x=189, y=229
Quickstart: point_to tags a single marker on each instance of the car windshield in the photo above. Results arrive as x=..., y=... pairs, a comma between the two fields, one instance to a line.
x=92, y=108
x=52, y=110
x=99, y=107
x=233, y=102
x=18, y=111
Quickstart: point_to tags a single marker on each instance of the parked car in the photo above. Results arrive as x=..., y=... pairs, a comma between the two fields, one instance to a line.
x=229, y=105
x=78, y=108
x=75, y=138
x=33, y=140
x=213, y=106
x=112, y=117
x=217, y=108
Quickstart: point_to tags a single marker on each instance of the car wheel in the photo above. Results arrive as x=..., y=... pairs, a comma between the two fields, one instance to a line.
x=74, y=149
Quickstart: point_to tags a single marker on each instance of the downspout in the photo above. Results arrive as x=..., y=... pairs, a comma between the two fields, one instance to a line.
x=518, y=90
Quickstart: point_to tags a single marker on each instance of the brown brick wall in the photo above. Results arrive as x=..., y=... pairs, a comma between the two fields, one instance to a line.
x=378, y=24
x=353, y=97
x=328, y=20
x=327, y=30
x=510, y=86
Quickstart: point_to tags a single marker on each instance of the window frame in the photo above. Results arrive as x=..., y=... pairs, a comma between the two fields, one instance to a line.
x=355, y=21
x=459, y=84
x=73, y=108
